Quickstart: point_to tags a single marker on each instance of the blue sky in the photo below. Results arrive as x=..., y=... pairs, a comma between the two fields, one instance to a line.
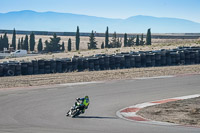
x=185, y=9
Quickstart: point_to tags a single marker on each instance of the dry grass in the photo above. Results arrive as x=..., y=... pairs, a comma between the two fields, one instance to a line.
x=185, y=112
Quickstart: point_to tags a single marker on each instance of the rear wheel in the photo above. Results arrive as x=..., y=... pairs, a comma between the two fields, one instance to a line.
x=75, y=113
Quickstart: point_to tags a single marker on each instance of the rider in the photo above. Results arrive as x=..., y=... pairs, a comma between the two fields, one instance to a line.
x=83, y=102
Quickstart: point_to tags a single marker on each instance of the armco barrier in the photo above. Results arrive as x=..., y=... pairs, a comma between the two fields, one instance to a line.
x=178, y=56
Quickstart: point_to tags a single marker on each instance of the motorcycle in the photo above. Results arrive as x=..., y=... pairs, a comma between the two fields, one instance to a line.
x=75, y=111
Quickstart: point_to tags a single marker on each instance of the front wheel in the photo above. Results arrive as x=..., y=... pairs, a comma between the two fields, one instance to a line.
x=68, y=113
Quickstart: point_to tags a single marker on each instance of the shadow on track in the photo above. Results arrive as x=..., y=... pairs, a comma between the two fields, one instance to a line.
x=96, y=117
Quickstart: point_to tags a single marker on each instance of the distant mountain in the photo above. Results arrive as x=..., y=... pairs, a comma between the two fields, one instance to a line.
x=52, y=21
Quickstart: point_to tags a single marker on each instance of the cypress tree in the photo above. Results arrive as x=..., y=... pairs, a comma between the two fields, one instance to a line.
x=48, y=46
x=55, y=42
x=142, y=40
x=25, y=46
x=40, y=45
x=53, y=45
x=130, y=41
x=125, y=40
x=19, y=44
x=77, y=38
x=32, y=41
x=63, y=46
x=107, y=38
x=22, y=43
x=14, y=40
x=92, y=43
x=148, y=38
x=5, y=41
x=137, y=41
x=102, y=45
x=115, y=42
x=69, y=47
x=119, y=43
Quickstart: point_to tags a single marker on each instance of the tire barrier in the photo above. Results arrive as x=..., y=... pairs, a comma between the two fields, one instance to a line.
x=41, y=67
x=178, y=56
x=59, y=66
x=24, y=68
x=102, y=63
x=11, y=70
x=35, y=66
x=106, y=62
x=1, y=70
x=74, y=64
x=112, y=62
x=91, y=63
x=53, y=66
x=30, y=68
x=47, y=66
x=18, y=70
x=64, y=65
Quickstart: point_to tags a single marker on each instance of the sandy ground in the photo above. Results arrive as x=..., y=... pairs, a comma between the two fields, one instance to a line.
x=185, y=112
x=59, y=78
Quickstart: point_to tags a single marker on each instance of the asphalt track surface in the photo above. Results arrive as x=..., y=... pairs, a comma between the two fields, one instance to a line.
x=42, y=110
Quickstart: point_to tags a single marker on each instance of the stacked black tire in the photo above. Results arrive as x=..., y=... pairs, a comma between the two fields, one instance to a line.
x=178, y=56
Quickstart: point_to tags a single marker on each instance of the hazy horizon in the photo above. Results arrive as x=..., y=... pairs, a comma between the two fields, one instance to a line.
x=67, y=22
x=94, y=16
x=118, y=9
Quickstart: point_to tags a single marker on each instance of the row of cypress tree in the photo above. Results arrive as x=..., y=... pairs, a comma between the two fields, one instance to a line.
x=54, y=43
x=4, y=42
x=116, y=42
x=25, y=44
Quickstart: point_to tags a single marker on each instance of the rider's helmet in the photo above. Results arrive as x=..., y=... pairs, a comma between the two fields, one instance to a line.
x=86, y=97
